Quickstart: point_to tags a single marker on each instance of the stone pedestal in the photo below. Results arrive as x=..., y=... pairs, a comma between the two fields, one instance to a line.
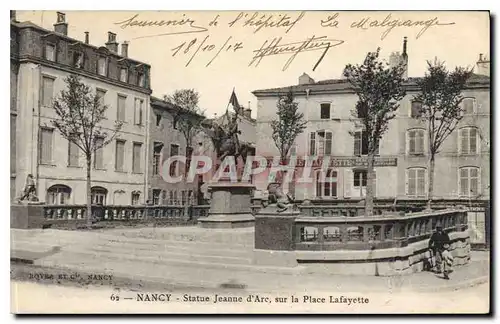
x=27, y=215
x=230, y=206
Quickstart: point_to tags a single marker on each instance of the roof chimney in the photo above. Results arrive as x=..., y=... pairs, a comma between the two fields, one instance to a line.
x=480, y=57
x=405, y=41
x=125, y=49
x=86, y=37
x=61, y=26
x=112, y=44
x=483, y=65
x=305, y=79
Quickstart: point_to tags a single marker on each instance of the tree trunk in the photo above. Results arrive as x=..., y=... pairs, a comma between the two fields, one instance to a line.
x=431, y=181
x=369, y=186
x=89, y=193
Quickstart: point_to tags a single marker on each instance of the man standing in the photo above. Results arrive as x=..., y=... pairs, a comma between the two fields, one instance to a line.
x=436, y=244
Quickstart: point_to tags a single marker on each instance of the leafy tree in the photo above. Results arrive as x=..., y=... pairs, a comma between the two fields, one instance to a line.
x=289, y=124
x=440, y=97
x=379, y=89
x=79, y=112
x=188, y=116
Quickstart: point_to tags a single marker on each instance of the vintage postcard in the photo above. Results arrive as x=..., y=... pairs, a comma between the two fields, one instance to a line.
x=250, y=162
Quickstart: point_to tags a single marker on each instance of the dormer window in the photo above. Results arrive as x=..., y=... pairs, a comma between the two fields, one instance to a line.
x=124, y=75
x=78, y=60
x=140, y=79
x=102, y=66
x=50, y=52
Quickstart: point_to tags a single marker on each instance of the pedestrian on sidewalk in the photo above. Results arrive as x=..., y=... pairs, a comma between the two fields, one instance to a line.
x=447, y=261
x=436, y=244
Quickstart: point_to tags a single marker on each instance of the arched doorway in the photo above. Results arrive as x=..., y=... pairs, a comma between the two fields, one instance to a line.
x=98, y=195
x=58, y=195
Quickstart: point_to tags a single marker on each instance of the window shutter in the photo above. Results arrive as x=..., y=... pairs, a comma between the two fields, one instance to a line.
x=473, y=141
x=420, y=141
x=348, y=179
x=463, y=141
x=479, y=188
x=312, y=144
x=411, y=142
x=328, y=144
x=412, y=182
x=421, y=183
x=357, y=143
x=374, y=190
x=407, y=180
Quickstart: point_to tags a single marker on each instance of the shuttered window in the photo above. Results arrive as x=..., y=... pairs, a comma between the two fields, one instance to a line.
x=468, y=106
x=98, y=156
x=416, y=182
x=321, y=143
x=469, y=181
x=47, y=91
x=120, y=155
x=312, y=144
x=468, y=140
x=50, y=52
x=46, y=138
x=138, y=111
x=325, y=110
x=416, y=139
x=416, y=109
x=102, y=66
x=361, y=143
x=73, y=154
x=121, y=108
x=136, y=158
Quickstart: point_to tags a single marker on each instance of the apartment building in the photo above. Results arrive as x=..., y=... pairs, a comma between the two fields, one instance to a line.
x=41, y=59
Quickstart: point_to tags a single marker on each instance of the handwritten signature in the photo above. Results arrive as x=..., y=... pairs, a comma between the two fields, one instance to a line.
x=275, y=47
x=184, y=21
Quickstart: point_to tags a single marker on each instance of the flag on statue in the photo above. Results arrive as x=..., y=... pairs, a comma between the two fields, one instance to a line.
x=234, y=102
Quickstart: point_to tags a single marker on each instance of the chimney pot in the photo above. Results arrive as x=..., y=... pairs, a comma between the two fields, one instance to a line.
x=480, y=57
x=61, y=26
x=86, y=37
x=125, y=49
x=112, y=45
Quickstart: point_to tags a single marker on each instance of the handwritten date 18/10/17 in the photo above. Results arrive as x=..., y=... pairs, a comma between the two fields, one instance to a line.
x=195, y=46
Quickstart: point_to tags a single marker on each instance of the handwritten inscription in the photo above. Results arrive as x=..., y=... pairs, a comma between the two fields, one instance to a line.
x=272, y=23
x=275, y=47
x=390, y=23
x=260, y=21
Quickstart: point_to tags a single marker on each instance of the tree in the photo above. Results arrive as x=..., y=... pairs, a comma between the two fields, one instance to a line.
x=188, y=116
x=440, y=97
x=288, y=126
x=79, y=112
x=379, y=89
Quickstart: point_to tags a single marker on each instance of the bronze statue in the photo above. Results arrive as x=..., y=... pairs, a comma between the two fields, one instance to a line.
x=276, y=196
x=29, y=189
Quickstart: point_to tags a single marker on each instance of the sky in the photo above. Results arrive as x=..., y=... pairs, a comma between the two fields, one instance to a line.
x=216, y=52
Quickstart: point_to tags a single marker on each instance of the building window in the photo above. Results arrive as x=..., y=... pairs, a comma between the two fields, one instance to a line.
x=468, y=140
x=98, y=155
x=469, y=106
x=138, y=109
x=124, y=75
x=360, y=178
x=171, y=198
x=174, y=199
x=416, y=138
x=99, y=195
x=101, y=96
x=46, y=138
x=140, y=79
x=136, y=157
x=156, y=196
x=58, y=195
x=78, y=60
x=183, y=197
x=326, y=187
x=102, y=66
x=50, y=52
x=174, y=151
x=361, y=144
x=416, y=182
x=157, y=147
x=158, y=119
x=325, y=110
x=320, y=143
x=416, y=109
x=469, y=182
x=120, y=115
x=73, y=154
x=47, y=91
x=120, y=155
x=136, y=197
x=164, y=200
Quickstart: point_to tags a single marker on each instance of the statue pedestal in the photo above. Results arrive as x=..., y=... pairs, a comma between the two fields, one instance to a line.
x=27, y=214
x=230, y=206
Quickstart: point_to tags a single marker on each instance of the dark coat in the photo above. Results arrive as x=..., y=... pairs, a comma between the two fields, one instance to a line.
x=438, y=240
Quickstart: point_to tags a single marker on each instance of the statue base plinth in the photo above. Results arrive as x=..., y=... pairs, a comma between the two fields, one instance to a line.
x=230, y=206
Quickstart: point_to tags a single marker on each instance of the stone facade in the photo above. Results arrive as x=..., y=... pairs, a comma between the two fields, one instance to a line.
x=392, y=178
x=40, y=62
